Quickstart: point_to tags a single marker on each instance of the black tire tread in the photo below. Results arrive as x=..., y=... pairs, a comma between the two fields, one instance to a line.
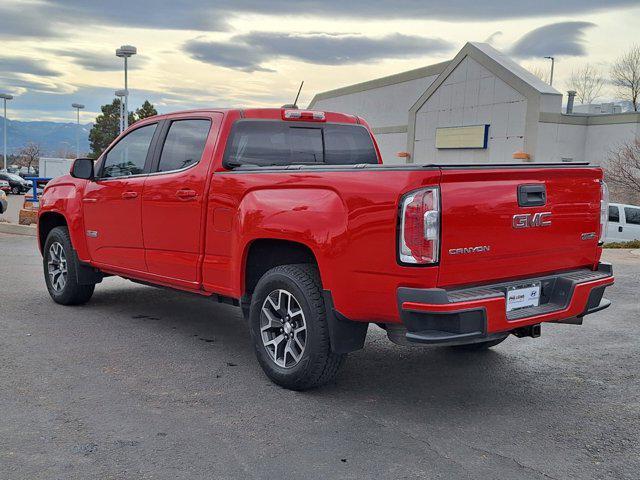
x=74, y=293
x=327, y=364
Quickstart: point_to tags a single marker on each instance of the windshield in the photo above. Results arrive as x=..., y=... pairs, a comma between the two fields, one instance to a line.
x=14, y=177
x=267, y=143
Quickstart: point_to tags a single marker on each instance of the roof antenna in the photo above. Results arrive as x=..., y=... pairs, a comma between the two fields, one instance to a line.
x=295, y=102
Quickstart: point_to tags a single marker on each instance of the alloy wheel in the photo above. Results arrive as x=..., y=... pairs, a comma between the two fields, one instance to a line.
x=283, y=328
x=57, y=267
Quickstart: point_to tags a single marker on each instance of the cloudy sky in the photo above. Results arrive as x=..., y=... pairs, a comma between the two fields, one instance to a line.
x=196, y=53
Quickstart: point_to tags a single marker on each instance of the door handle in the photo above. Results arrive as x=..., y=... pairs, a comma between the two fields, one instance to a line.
x=89, y=200
x=186, y=194
x=127, y=195
x=620, y=229
x=534, y=195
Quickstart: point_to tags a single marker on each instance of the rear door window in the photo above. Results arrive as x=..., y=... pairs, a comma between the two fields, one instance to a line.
x=614, y=214
x=184, y=144
x=269, y=143
x=632, y=215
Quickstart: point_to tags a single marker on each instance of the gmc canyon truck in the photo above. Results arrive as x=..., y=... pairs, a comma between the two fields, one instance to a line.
x=291, y=215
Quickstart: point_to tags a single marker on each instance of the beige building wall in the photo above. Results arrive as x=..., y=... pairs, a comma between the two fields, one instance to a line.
x=471, y=95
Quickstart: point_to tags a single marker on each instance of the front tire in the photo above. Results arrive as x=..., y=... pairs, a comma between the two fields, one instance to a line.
x=15, y=190
x=60, y=264
x=289, y=328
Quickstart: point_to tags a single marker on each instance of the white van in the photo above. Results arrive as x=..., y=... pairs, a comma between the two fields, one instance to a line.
x=624, y=223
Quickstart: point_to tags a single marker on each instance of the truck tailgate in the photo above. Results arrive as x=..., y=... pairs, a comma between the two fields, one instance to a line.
x=481, y=239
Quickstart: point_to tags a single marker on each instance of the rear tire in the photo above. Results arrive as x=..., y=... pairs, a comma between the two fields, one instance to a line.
x=480, y=345
x=15, y=190
x=60, y=264
x=289, y=328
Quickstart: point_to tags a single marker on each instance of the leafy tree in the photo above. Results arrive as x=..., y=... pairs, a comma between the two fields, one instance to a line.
x=107, y=125
x=146, y=110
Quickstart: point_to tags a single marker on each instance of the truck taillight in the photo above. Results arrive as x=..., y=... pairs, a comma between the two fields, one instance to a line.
x=306, y=115
x=604, y=210
x=419, y=241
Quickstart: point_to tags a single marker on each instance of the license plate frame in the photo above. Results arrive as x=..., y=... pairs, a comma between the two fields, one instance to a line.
x=521, y=296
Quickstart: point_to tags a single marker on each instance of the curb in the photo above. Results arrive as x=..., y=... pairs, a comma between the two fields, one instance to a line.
x=18, y=229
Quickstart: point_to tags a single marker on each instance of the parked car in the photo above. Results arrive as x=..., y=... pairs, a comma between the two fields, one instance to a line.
x=624, y=223
x=3, y=202
x=291, y=215
x=4, y=186
x=18, y=184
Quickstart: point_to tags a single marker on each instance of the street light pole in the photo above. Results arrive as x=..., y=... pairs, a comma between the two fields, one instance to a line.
x=5, y=97
x=122, y=95
x=553, y=61
x=126, y=51
x=78, y=107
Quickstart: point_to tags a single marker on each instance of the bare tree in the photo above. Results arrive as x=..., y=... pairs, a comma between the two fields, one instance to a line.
x=623, y=168
x=28, y=155
x=625, y=74
x=587, y=81
x=65, y=152
x=539, y=72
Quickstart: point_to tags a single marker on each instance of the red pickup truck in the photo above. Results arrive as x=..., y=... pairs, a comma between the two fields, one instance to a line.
x=291, y=215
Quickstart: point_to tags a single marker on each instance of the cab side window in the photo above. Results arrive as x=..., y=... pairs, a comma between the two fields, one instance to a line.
x=184, y=144
x=129, y=155
x=614, y=214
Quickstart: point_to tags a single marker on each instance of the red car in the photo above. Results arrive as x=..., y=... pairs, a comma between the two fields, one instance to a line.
x=291, y=215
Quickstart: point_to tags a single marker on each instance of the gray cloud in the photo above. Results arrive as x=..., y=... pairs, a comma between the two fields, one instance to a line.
x=226, y=54
x=101, y=61
x=50, y=17
x=17, y=21
x=563, y=38
x=248, y=52
x=25, y=65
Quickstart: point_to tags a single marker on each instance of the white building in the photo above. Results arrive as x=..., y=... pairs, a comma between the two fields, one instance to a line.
x=480, y=107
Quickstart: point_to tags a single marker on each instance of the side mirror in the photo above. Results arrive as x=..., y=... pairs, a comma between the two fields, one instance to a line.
x=82, y=168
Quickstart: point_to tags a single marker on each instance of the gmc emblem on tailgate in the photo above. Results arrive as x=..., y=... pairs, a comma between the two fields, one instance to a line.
x=526, y=220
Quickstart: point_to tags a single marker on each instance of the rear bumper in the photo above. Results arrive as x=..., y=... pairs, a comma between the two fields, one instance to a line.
x=439, y=316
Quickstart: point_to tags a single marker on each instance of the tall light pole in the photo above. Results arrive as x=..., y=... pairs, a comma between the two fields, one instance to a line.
x=5, y=97
x=553, y=61
x=122, y=95
x=78, y=107
x=126, y=51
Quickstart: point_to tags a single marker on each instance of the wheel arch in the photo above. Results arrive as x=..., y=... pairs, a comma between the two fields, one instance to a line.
x=47, y=222
x=263, y=254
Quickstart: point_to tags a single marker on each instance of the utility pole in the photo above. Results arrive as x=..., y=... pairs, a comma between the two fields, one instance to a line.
x=126, y=51
x=5, y=97
x=122, y=95
x=553, y=61
x=78, y=107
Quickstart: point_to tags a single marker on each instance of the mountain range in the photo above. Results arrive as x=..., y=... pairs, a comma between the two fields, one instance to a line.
x=54, y=138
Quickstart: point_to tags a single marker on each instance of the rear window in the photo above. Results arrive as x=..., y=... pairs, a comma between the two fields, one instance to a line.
x=632, y=215
x=268, y=143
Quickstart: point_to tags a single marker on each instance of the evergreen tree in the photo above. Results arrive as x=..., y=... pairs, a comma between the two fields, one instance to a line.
x=146, y=110
x=107, y=125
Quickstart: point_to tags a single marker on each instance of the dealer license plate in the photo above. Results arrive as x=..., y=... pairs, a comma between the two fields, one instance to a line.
x=523, y=296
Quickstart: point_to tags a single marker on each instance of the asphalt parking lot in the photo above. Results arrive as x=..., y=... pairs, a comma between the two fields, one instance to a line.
x=147, y=383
